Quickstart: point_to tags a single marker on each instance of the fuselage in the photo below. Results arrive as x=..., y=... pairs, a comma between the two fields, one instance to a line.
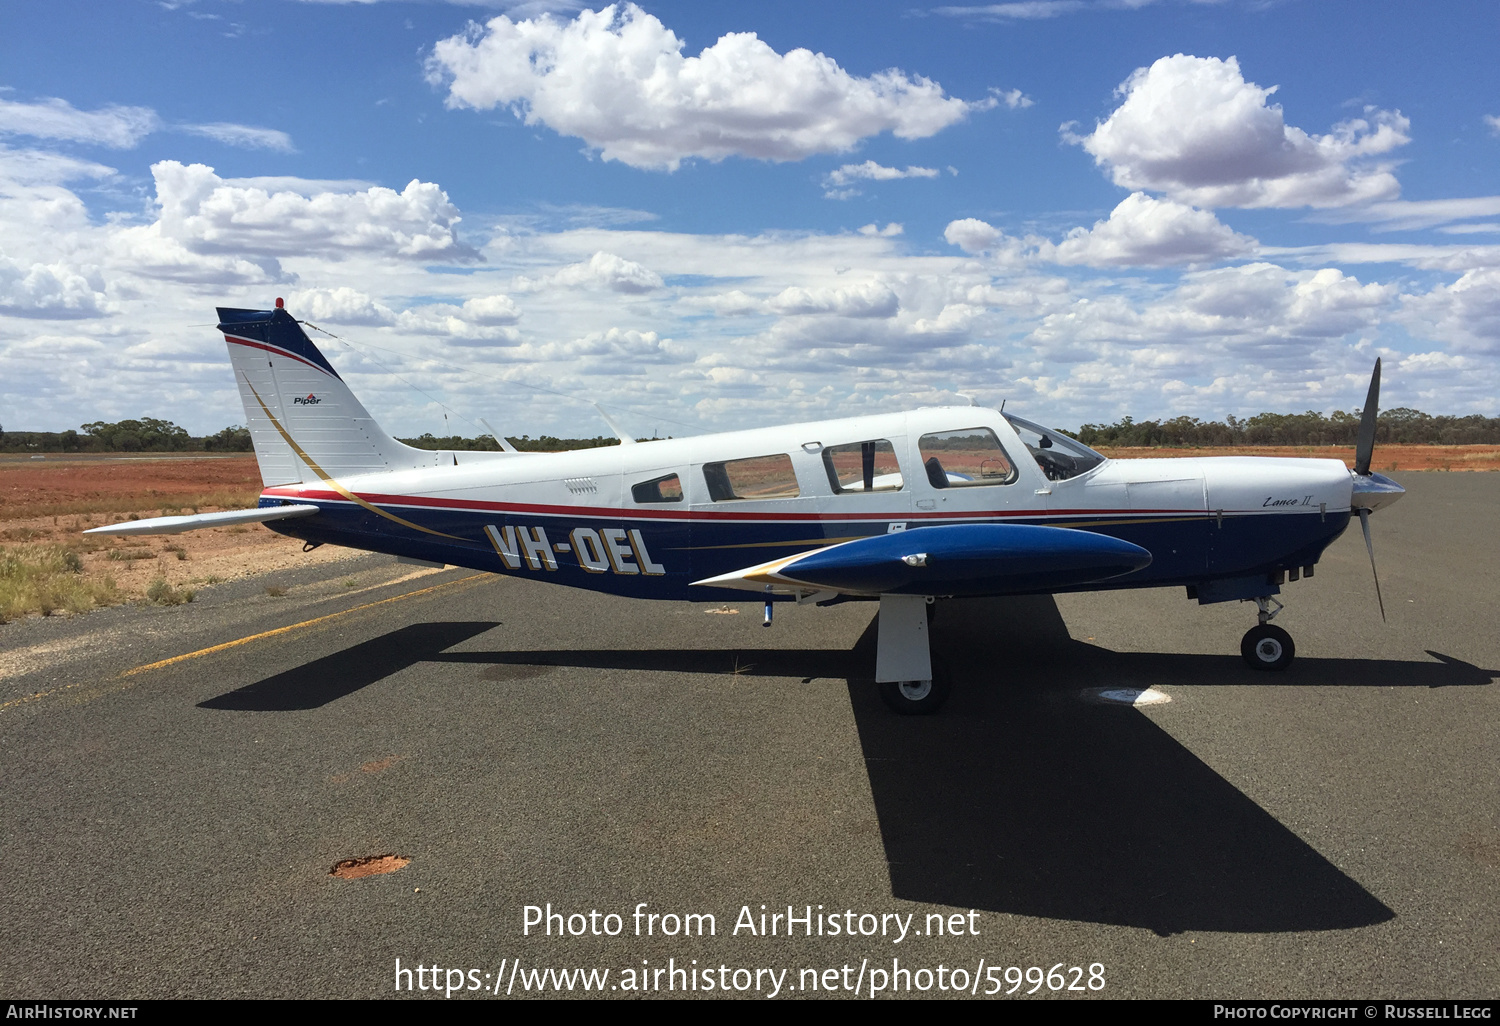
x=648, y=519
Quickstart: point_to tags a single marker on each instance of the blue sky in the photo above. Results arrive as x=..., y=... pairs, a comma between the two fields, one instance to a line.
x=1085, y=207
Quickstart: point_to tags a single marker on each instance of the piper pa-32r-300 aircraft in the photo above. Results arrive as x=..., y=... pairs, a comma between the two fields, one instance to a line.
x=902, y=508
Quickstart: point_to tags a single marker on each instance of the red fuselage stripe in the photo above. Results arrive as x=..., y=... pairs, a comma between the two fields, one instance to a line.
x=466, y=505
x=272, y=349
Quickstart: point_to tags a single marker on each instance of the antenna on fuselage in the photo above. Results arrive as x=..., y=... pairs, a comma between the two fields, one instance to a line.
x=498, y=437
x=621, y=435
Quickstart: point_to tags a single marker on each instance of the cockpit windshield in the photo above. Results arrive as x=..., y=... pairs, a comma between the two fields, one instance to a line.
x=1059, y=456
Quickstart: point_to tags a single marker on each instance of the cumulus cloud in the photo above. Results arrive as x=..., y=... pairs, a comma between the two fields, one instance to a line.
x=1257, y=306
x=209, y=214
x=148, y=252
x=54, y=291
x=1494, y=122
x=836, y=183
x=114, y=126
x=1141, y=232
x=1193, y=128
x=617, y=79
x=1147, y=232
x=602, y=270
x=972, y=235
x=1465, y=314
x=471, y=319
x=808, y=324
x=890, y=231
x=871, y=299
x=491, y=310
x=735, y=303
x=342, y=305
x=446, y=320
x=626, y=346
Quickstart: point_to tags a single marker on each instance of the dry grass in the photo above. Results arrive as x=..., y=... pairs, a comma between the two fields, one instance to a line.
x=46, y=505
x=47, y=579
x=160, y=593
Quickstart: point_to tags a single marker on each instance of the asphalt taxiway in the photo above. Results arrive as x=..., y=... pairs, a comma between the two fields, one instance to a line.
x=1332, y=831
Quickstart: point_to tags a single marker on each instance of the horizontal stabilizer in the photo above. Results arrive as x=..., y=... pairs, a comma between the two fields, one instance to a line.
x=198, y=521
x=961, y=559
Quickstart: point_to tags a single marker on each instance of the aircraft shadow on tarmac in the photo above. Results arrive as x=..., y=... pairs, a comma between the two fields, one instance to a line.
x=325, y=680
x=1017, y=797
x=1024, y=799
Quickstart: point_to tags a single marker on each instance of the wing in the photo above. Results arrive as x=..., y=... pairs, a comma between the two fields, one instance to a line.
x=177, y=525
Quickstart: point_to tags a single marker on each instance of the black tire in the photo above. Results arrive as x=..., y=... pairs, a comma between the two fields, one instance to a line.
x=918, y=698
x=1267, y=647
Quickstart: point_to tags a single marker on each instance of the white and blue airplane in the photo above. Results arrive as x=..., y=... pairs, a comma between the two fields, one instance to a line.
x=901, y=508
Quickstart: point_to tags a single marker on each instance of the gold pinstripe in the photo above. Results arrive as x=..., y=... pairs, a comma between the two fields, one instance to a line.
x=328, y=480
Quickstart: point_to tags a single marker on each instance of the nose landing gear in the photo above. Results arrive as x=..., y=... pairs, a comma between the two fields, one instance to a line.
x=1266, y=646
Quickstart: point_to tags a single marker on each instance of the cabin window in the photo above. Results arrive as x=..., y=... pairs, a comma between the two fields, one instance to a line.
x=759, y=477
x=658, y=489
x=862, y=467
x=1058, y=456
x=964, y=459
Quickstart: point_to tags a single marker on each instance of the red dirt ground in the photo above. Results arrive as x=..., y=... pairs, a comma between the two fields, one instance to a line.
x=65, y=485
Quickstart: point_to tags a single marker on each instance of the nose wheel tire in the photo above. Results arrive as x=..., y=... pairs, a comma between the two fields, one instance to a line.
x=1267, y=647
x=917, y=697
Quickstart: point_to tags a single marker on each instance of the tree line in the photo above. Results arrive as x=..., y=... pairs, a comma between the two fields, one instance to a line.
x=145, y=435
x=485, y=443
x=1399, y=426
x=150, y=434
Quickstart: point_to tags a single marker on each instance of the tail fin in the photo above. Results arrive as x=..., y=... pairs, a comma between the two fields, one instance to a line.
x=305, y=423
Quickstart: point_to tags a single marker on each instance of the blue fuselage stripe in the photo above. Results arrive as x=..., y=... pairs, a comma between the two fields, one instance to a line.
x=653, y=558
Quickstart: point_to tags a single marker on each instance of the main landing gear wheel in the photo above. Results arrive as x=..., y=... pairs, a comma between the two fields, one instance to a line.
x=1267, y=647
x=918, y=697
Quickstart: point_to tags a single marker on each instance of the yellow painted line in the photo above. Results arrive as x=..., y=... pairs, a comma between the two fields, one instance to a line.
x=296, y=626
x=244, y=641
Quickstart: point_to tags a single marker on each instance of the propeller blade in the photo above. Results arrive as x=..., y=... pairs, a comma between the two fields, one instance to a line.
x=1364, y=522
x=1364, y=447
